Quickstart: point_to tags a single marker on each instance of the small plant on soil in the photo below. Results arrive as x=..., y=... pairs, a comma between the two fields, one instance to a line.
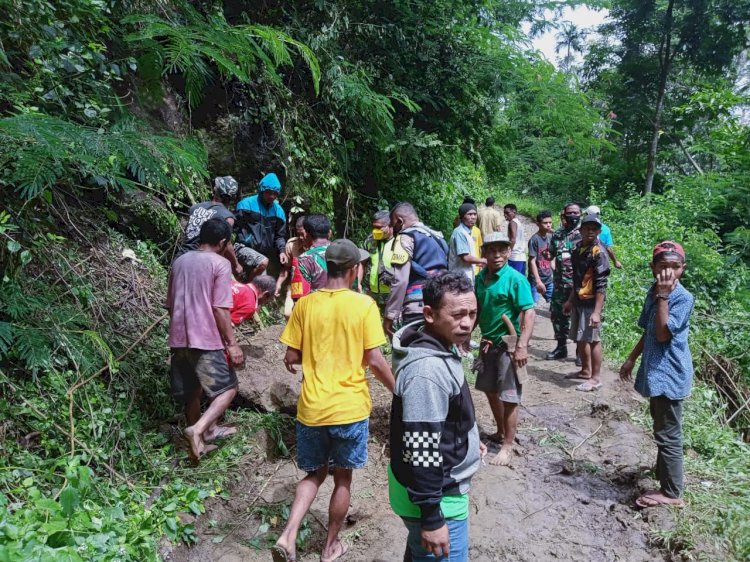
x=273, y=517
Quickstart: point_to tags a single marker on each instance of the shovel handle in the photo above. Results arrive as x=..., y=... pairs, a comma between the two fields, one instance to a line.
x=509, y=325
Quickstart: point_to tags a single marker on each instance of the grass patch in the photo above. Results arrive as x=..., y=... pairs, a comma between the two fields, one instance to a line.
x=717, y=469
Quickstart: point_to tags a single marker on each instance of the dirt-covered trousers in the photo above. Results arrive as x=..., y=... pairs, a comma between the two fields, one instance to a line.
x=560, y=321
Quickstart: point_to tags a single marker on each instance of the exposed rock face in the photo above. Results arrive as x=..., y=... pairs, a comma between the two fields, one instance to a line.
x=264, y=381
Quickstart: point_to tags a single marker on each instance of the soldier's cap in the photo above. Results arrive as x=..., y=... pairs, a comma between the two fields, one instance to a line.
x=226, y=185
x=345, y=253
x=496, y=238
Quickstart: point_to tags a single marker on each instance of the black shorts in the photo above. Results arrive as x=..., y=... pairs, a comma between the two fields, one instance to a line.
x=193, y=368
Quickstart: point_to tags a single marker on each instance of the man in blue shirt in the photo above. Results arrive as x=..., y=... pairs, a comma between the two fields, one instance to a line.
x=665, y=375
x=261, y=222
x=605, y=236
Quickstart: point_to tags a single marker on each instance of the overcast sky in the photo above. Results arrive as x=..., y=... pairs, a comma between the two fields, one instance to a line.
x=582, y=17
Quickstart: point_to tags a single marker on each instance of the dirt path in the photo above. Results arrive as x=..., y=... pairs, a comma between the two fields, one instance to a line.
x=567, y=497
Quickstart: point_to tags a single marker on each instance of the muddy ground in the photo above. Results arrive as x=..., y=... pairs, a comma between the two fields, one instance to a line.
x=568, y=496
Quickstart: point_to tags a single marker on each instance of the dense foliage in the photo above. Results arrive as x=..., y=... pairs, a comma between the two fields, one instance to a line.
x=114, y=115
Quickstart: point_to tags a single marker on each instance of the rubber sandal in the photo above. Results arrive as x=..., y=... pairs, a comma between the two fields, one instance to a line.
x=344, y=550
x=588, y=387
x=223, y=431
x=280, y=554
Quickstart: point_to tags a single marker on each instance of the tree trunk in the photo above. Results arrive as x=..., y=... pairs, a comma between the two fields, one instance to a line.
x=665, y=56
x=651, y=167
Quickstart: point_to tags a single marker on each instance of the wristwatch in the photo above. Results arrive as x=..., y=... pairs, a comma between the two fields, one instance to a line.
x=661, y=296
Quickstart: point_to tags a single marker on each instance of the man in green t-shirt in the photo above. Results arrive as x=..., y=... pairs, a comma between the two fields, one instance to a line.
x=500, y=289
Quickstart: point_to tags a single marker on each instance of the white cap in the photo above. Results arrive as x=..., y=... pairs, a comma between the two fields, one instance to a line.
x=593, y=210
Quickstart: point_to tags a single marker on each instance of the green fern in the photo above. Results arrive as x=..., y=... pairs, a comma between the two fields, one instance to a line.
x=202, y=42
x=352, y=92
x=34, y=348
x=6, y=337
x=41, y=151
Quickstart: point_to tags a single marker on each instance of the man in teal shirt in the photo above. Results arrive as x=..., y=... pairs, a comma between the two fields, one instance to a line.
x=500, y=289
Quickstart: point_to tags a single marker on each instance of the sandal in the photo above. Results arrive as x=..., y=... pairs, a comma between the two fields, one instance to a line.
x=222, y=431
x=588, y=387
x=344, y=550
x=280, y=554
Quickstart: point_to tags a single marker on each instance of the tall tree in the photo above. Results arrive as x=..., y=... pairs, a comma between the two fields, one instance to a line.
x=659, y=40
x=569, y=38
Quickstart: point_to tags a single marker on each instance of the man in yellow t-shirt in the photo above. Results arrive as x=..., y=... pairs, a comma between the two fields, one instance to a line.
x=333, y=332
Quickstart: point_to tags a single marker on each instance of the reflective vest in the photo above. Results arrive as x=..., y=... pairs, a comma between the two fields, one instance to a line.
x=380, y=258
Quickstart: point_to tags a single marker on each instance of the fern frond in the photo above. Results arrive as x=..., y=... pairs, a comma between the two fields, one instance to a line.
x=41, y=151
x=6, y=337
x=34, y=348
x=200, y=42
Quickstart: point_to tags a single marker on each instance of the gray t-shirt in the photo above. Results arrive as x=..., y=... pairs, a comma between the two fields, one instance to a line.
x=200, y=213
x=539, y=249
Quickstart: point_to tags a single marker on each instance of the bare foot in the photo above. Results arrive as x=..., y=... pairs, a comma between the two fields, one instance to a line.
x=657, y=498
x=337, y=550
x=195, y=444
x=218, y=432
x=282, y=553
x=578, y=375
x=496, y=437
x=503, y=457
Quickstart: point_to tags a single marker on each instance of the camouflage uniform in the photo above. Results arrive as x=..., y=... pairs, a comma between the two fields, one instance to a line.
x=563, y=243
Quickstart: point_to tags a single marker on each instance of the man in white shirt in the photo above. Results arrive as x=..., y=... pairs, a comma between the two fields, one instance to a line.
x=517, y=239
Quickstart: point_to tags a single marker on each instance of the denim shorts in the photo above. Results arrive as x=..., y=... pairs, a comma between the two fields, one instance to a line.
x=340, y=446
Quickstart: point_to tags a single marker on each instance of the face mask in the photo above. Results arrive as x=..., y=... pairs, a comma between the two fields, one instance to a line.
x=572, y=220
x=378, y=234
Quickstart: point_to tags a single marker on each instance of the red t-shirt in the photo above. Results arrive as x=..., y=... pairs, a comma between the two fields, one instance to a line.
x=245, y=302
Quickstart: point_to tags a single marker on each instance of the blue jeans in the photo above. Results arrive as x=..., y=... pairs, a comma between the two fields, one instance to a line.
x=535, y=294
x=458, y=536
x=342, y=446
